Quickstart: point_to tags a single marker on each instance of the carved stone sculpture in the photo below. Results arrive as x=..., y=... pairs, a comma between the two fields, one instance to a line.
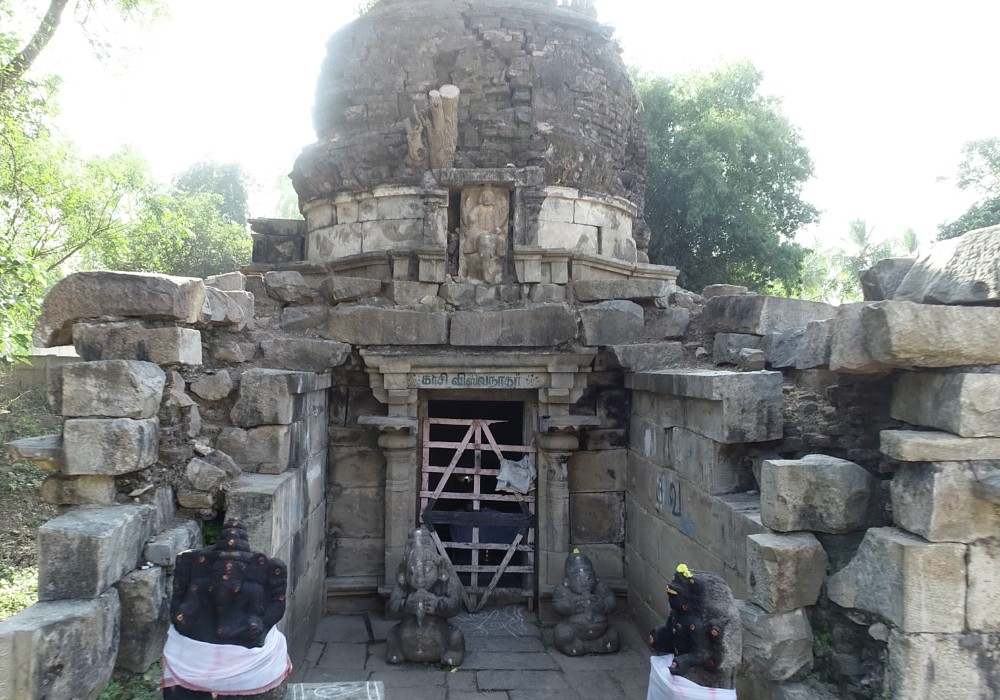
x=483, y=245
x=226, y=598
x=703, y=630
x=425, y=596
x=442, y=132
x=586, y=604
x=416, y=152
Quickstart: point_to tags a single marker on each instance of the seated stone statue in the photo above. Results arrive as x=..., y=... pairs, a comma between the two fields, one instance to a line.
x=226, y=602
x=703, y=630
x=586, y=603
x=425, y=596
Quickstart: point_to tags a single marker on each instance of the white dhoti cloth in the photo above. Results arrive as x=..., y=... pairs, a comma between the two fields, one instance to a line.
x=225, y=669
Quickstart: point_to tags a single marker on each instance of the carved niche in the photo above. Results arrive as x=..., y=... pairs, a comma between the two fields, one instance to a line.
x=483, y=234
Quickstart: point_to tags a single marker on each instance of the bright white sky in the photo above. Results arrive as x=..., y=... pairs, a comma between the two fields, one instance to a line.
x=884, y=92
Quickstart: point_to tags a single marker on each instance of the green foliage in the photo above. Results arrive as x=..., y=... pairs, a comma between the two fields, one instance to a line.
x=228, y=180
x=725, y=176
x=134, y=686
x=18, y=590
x=979, y=171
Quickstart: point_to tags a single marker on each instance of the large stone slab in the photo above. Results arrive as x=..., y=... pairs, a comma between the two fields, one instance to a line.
x=109, y=446
x=904, y=334
x=931, y=446
x=816, y=345
x=785, y=571
x=848, y=351
x=163, y=548
x=131, y=340
x=714, y=467
x=916, y=585
x=632, y=289
x=726, y=347
x=961, y=403
x=816, y=492
x=959, y=270
x=234, y=310
x=84, y=295
x=938, y=501
x=60, y=649
x=371, y=325
x=671, y=322
x=642, y=357
x=46, y=451
x=544, y=325
x=338, y=290
x=83, y=552
x=62, y=490
x=760, y=315
x=305, y=354
x=273, y=396
x=941, y=666
x=611, y=322
x=145, y=616
x=775, y=647
x=112, y=389
x=728, y=407
x=270, y=449
x=882, y=279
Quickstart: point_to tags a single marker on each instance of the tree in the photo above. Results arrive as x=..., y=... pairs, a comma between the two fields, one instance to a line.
x=228, y=180
x=725, y=176
x=979, y=171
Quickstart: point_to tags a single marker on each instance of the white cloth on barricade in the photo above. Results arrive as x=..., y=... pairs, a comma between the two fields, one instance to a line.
x=226, y=669
x=663, y=685
x=517, y=475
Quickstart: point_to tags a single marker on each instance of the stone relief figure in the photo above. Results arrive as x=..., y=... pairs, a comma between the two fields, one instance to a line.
x=703, y=630
x=225, y=604
x=416, y=152
x=425, y=596
x=586, y=603
x=483, y=235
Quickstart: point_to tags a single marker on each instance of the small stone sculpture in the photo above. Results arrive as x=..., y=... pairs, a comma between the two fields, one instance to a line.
x=226, y=600
x=425, y=596
x=484, y=235
x=416, y=152
x=703, y=630
x=586, y=603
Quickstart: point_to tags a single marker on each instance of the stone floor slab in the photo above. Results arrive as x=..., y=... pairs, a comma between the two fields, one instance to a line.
x=342, y=655
x=528, y=680
x=342, y=628
x=336, y=691
x=499, y=660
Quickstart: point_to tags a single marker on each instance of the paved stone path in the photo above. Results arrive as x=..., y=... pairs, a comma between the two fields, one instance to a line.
x=509, y=656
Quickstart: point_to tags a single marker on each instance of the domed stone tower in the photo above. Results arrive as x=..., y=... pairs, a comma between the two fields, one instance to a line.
x=474, y=135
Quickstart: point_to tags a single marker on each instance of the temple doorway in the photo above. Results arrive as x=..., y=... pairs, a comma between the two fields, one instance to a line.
x=477, y=496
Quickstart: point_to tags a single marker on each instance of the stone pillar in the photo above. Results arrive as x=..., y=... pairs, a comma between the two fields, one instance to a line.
x=554, y=450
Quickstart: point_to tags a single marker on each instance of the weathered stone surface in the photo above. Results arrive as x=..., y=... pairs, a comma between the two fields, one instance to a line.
x=235, y=353
x=714, y=467
x=271, y=396
x=760, y=315
x=723, y=290
x=671, y=322
x=611, y=322
x=145, y=609
x=370, y=325
x=45, y=451
x=539, y=326
x=62, y=490
x=109, y=446
x=728, y=407
x=228, y=282
x=305, y=354
x=941, y=666
x=965, y=404
x=547, y=293
x=750, y=360
x=782, y=349
x=848, y=351
x=193, y=499
x=267, y=449
x=938, y=501
x=915, y=585
x=162, y=549
x=205, y=476
x=214, y=387
x=904, y=334
x=407, y=293
x=84, y=295
x=930, y=446
x=815, y=345
x=882, y=279
x=303, y=318
x=131, y=340
x=338, y=290
x=633, y=289
x=112, y=389
x=816, y=492
x=785, y=571
x=983, y=608
x=86, y=550
x=959, y=270
x=642, y=357
x=60, y=648
x=232, y=309
x=288, y=286
x=775, y=647
x=726, y=346
x=987, y=486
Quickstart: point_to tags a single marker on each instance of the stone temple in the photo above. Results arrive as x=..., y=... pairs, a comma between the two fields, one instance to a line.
x=464, y=332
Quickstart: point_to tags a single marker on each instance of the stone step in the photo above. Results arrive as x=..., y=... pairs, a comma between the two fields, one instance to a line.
x=45, y=451
x=365, y=690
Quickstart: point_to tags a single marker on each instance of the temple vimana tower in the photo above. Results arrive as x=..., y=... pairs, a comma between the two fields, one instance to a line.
x=463, y=331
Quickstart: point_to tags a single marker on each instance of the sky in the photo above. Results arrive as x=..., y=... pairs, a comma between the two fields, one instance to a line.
x=883, y=92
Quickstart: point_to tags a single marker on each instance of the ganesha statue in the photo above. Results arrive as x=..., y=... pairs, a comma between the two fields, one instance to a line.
x=585, y=604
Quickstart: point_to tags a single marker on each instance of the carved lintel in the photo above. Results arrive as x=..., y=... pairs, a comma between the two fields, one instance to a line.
x=390, y=423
